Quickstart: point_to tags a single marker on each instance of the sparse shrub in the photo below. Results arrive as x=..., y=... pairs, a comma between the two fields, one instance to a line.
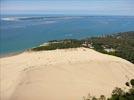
x=132, y=82
x=117, y=91
x=102, y=97
x=94, y=98
x=127, y=84
x=119, y=94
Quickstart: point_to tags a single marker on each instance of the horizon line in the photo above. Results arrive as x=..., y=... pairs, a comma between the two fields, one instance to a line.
x=72, y=14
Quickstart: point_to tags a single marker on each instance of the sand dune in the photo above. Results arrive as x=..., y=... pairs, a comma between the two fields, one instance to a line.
x=66, y=74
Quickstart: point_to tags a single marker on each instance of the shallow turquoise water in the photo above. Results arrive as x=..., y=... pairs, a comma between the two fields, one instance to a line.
x=18, y=33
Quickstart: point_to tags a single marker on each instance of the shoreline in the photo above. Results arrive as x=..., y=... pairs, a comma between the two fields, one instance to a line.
x=11, y=54
x=114, y=46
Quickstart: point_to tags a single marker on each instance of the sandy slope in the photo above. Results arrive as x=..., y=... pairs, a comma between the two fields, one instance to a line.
x=61, y=74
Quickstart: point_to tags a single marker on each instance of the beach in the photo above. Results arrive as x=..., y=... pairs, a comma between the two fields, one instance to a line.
x=66, y=74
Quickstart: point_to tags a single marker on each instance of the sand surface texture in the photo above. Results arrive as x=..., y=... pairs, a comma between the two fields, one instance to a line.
x=66, y=74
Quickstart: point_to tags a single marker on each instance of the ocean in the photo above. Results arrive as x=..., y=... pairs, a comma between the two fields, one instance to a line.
x=18, y=33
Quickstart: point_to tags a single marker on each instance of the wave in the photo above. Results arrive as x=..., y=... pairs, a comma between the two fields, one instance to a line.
x=9, y=19
x=37, y=18
x=50, y=22
x=20, y=18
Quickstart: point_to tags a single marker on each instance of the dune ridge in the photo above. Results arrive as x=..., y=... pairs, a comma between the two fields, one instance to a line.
x=67, y=74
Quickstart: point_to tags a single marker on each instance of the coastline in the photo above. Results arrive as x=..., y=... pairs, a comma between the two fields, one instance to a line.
x=114, y=46
x=11, y=54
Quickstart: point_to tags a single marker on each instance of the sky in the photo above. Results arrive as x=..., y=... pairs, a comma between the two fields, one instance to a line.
x=72, y=7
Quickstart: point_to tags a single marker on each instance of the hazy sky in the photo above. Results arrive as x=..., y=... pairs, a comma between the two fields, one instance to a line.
x=86, y=7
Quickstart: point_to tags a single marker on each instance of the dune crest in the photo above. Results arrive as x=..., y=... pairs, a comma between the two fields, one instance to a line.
x=67, y=74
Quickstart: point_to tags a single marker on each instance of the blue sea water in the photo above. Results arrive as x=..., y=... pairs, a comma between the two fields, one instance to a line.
x=18, y=33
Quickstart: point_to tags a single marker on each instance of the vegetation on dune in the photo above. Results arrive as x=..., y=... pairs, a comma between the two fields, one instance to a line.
x=120, y=44
x=61, y=44
x=117, y=93
x=123, y=43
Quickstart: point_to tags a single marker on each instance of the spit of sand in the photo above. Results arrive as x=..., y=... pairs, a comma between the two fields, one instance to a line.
x=67, y=74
